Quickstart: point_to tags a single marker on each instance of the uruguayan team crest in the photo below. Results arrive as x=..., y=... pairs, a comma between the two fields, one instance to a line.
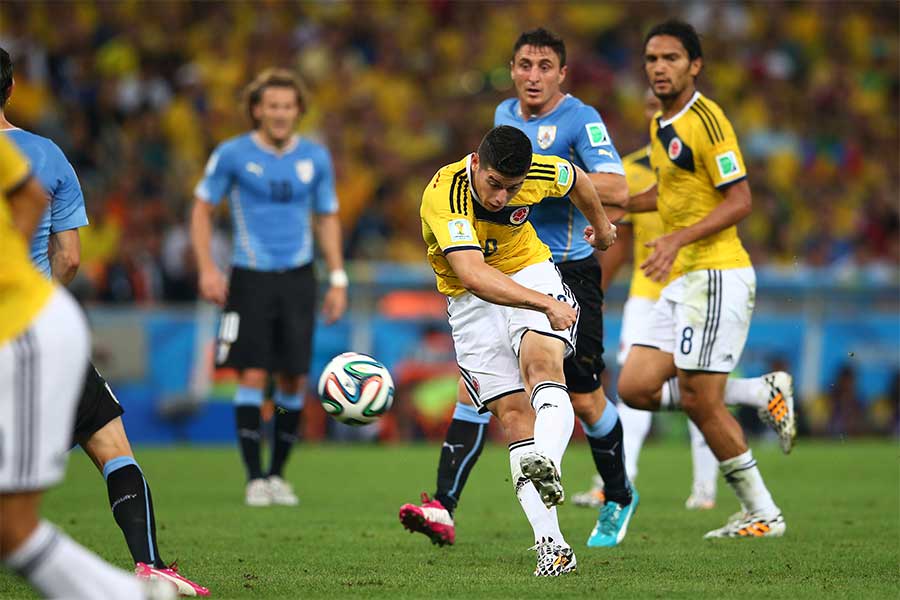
x=546, y=136
x=305, y=170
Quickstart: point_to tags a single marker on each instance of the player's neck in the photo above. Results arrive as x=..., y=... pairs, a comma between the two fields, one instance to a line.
x=4, y=124
x=672, y=106
x=547, y=108
x=277, y=146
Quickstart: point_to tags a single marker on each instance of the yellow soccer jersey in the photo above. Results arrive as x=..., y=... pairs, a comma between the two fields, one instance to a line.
x=647, y=226
x=695, y=156
x=23, y=291
x=454, y=219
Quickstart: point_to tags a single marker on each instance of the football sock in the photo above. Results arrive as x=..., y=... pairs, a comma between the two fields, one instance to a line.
x=287, y=423
x=635, y=427
x=705, y=463
x=462, y=446
x=554, y=420
x=744, y=477
x=605, y=439
x=132, y=507
x=744, y=392
x=543, y=521
x=247, y=405
x=60, y=568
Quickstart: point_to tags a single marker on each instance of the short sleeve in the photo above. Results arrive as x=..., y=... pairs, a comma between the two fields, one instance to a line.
x=14, y=167
x=217, y=177
x=452, y=230
x=550, y=177
x=721, y=154
x=593, y=144
x=67, y=203
x=326, y=201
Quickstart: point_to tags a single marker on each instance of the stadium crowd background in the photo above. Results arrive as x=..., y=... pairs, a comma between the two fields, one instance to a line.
x=138, y=93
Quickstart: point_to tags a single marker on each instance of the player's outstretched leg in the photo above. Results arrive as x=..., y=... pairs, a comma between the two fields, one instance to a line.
x=706, y=472
x=460, y=451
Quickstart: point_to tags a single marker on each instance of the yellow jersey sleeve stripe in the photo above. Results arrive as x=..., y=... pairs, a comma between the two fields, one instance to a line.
x=717, y=129
x=710, y=133
x=456, y=192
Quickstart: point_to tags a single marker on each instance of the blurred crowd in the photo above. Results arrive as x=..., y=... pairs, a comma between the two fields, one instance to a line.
x=138, y=93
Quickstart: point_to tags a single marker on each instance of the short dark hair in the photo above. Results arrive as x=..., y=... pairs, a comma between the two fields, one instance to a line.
x=6, y=78
x=685, y=32
x=542, y=38
x=507, y=150
x=273, y=78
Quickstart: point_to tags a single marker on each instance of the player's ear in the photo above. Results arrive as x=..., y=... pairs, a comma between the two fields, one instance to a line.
x=562, y=74
x=696, y=66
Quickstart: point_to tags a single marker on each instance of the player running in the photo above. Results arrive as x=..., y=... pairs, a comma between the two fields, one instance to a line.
x=557, y=124
x=280, y=188
x=98, y=428
x=635, y=231
x=513, y=319
x=698, y=327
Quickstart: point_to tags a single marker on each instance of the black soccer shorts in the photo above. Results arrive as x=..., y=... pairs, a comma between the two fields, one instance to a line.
x=268, y=321
x=583, y=368
x=96, y=407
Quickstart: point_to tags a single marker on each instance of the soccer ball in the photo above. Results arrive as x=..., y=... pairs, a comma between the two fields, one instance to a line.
x=355, y=388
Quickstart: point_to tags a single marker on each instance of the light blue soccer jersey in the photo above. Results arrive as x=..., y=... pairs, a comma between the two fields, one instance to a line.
x=272, y=197
x=573, y=130
x=66, y=210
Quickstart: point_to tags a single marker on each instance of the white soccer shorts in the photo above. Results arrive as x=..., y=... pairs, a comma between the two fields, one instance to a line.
x=41, y=375
x=635, y=318
x=487, y=336
x=702, y=319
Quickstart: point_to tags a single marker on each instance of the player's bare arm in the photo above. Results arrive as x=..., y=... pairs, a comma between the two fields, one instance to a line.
x=600, y=233
x=489, y=284
x=643, y=202
x=27, y=204
x=736, y=204
x=212, y=282
x=64, y=252
x=611, y=187
x=328, y=235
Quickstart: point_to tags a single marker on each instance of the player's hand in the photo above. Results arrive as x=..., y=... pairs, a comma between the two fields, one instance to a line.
x=659, y=264
x=213, y=286
x=334, y=304
x=561, y=315
x=602, y=241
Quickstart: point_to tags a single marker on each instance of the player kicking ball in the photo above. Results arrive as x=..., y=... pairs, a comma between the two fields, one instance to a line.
x=513, y=319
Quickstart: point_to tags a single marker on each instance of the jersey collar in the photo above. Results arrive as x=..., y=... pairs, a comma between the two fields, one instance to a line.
x=522, y=116
x=257, y=141
x=687, y=106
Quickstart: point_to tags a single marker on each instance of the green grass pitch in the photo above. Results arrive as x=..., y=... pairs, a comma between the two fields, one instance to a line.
x=841, y=501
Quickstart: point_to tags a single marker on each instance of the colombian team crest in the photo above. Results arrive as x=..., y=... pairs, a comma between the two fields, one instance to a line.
x=675, y=147
x=520, y=215
x=546, y=136
x=305, y=170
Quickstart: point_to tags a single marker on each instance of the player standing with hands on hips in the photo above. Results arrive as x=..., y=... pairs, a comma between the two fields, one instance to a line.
x=281, y=189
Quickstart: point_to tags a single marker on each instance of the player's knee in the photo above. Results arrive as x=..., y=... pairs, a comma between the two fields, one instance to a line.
x=542, y=369
x=253, y=378
x=636, y=393
x=588, y=407
x=517, y=421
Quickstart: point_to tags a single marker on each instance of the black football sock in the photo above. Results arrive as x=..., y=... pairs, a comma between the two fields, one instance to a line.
x=462, y=447
x=609, y=458
x=287, y=423
x=249, y=434
x=132, y=507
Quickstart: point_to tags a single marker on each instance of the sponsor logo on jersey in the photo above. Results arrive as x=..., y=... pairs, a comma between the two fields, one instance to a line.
x=728, y=164
x=675, y=148
x=563, y=173
x=305, y=170
x=546, y=136
x=255, y=168
x=460, y=231
x=520, y=215
x=597, y=134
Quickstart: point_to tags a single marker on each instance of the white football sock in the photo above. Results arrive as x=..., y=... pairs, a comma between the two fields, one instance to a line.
x=744, y=477
x=543, y=521
x=635, y=427
x=59, y=568
x=706, y=465
x=738, y=392
x=554, y=420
